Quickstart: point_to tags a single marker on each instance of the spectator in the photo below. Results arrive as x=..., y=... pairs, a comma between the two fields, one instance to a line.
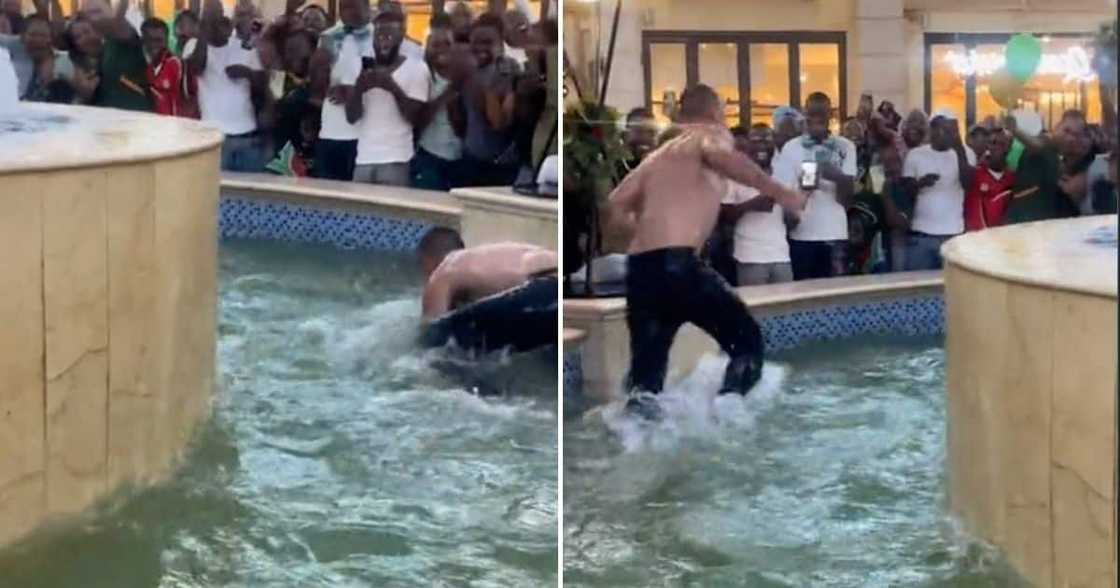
x=109, y=40
x=462, y=20
x=788, y=123
x=230, y=82
x=341, y=50
x=761, y=251
x=978, y=137
x=517, y=28
x=881, y=206
x=819, y=241
x=295, y=104
x=409, y=48
x=890, y=116
x=314, y=19
x=186, y=33
x=490, y=151
x=39, y=68
x=442, y=123
x=165, y=71
x=986, y=201
x=1102, y=197
x=186, y=29
x=388, y=99
x=640, y=135
x=938, y=174
x=12, y=10
x=1051, y=180
x=854, y=131
x=915, y=129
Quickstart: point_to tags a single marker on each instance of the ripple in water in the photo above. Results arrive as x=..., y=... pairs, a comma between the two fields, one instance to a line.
x=830, y=473
x=339, y=454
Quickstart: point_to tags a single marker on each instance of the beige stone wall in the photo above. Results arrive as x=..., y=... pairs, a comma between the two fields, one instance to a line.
x=108, y=302
x=495, y=215
x=1031, y=385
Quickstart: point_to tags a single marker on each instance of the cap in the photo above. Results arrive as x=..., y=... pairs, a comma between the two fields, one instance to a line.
x=946, y=113
x=786, y=112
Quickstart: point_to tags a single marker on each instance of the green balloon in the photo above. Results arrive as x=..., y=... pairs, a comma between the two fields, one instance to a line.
x=1014, y=155
x=1023, y=54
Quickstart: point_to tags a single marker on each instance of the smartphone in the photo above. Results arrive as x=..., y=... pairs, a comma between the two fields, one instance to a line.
x=368, y=63
x=808, y=175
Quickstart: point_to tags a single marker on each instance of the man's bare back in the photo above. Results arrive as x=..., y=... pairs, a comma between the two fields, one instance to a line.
x=468, y=275
x=673, y=198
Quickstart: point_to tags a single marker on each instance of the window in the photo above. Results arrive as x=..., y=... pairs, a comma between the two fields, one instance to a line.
x=753, y=72
x=959, y=69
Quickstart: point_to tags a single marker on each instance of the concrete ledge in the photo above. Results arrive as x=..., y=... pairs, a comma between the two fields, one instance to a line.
x=493, y=215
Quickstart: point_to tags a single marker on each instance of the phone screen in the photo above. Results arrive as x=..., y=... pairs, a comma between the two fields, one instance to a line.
x=809, y=175
x=368, y=63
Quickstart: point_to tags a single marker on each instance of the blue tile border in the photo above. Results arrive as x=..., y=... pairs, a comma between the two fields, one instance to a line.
x=913, y=316
x=281, y=221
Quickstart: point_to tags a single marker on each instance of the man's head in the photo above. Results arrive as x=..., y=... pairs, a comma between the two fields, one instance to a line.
x=915, y=128
x=298, y=47
x=84, y=38
x=1072, y=135
x=788, y=123
x=11, y=8
x=388, y=34
x=760, y=144
x=462, y=20
x=435, y=246
x=153, y=36
x=641, y=132
x=978, y=137
x=739, y=135
x=315, y=19
x=853, y=131
x=487, y=35
x=353, y=13
x=244, y=15
x=997, y=148
x=818, y=115
x=37, y=36
x=516, y=28
x=941, y=132
x=186, y=26
x=437, y=50
x=701, y=105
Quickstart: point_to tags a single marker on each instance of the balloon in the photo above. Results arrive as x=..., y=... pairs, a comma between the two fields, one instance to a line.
x=1015, y=154
x=1023, y=54
x=1005, y=89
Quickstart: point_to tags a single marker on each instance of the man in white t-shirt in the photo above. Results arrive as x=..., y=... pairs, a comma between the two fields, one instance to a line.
x=818, y=243
x=761, y=248
x=442, y=125
x=230, y=76
x=939, y=173
x=341, y=49
x=388, y=100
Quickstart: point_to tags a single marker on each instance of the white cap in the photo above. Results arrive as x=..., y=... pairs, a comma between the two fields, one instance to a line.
x=946, y=113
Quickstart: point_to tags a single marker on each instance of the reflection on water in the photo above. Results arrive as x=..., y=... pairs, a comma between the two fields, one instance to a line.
x=338, y=455
x=831, y=473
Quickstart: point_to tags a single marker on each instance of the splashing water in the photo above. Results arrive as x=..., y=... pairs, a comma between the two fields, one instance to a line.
x=339, y=453
x=830, y=473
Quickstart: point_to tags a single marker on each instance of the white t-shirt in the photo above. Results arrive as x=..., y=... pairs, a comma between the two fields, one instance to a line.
x=344, y=72
x=760, y=237
x=939, y=209
x=223, y=102
x=385, y=136
x=824, y=218
x=411, y=49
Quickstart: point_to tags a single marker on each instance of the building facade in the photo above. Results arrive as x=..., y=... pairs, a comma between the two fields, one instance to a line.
x=761, y=54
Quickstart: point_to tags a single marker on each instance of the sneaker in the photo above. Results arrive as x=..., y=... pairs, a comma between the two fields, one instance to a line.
x=646, y=406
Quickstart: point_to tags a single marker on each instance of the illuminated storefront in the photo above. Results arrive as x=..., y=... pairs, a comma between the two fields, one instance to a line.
x=959, y=66
x=753, y=72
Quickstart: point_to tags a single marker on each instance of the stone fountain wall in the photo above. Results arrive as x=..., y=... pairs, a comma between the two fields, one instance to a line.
x=107, y=325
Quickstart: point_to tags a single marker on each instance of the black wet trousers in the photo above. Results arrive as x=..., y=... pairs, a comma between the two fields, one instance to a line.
x=666, y=288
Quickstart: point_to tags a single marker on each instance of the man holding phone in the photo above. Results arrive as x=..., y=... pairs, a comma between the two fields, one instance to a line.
x=938, y=173
x=388, y=100
x=824, y=167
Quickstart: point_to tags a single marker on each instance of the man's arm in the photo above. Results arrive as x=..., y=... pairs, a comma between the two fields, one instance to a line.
x=738, y=167
x=437, y=297
x=730, y=213
x=355, y=101
x=620, y=214
x=1029, y=142
x=113, y=24
x=965, y=171
x=429, y=109
x=410, y=107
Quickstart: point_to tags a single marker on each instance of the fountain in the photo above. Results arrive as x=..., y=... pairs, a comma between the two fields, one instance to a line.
x=108, y=297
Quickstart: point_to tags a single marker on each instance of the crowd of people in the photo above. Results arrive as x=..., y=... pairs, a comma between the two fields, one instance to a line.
x=885, y=193
x=301, y=95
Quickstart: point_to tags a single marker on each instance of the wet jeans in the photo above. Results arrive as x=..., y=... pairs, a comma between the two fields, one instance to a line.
x=666, y=288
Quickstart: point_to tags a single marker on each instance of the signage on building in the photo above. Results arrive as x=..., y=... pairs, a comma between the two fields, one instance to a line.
x=1074, y=64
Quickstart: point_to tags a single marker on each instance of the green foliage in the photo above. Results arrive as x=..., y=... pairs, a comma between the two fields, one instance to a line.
x=594, y=151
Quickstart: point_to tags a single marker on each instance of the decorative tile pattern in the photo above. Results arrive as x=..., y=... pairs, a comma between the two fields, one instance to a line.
x=573, y=381
x=280, y=221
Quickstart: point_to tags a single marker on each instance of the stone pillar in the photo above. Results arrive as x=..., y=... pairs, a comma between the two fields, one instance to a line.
x=879, y=56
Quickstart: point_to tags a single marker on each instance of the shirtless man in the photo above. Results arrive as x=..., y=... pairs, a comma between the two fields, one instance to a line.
x=668, y=207
x=509, y=281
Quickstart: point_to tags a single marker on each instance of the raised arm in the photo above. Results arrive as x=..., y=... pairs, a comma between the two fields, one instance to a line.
x=437, y=297
x=1029, y=142
x=114, y=24
x=738, y=167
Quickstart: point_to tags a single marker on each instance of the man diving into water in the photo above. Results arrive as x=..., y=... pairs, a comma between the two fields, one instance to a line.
x=668, y=207
x=489, y=297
